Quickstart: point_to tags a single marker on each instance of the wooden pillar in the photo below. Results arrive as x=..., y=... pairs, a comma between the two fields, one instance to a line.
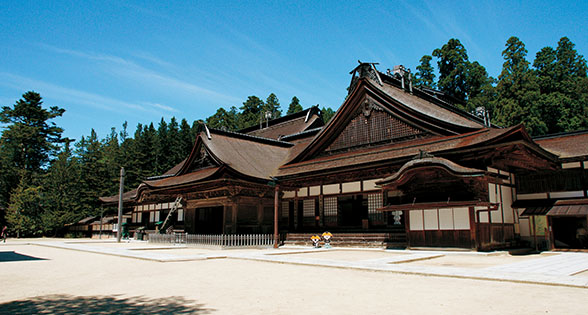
x=406, y=215
x=491, y=238
x=549, y=233
x=321, y=208
x=297, y=222
x=260, y=212
x=473, y=228
x=478, y=233
x=276, y=205
x=535, y=233
x=234, y=215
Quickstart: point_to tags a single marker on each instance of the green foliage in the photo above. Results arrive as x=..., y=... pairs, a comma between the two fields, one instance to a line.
x=327, y=113
x=27, y=144
x=518, y=91
x=60, y=193
x=29, y=140
x=425, y=75
x=251, y=112
x=294, y=106
x=272, y=105
x=224, y=120
x=453, y=66
x=24, y=212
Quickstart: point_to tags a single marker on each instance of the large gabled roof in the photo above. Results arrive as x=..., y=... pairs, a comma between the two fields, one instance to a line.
x=410, y=109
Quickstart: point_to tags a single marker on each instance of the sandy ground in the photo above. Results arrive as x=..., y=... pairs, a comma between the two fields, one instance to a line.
x=65, y=281
x=345, y=255
x=473, y=261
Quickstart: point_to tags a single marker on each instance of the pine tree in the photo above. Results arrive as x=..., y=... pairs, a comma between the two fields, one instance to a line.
x=61, y=189
x=224, y=120
x=251, y=112
x=425, y=75
x=294, y=106
x=453, y=67
x=27, y=144
x=517, y=91
x=272, y=105
x=327, y=113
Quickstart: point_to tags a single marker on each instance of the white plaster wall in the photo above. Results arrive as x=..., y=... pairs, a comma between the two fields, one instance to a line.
x=524, y=226
x=531, y=196
x=351, y=187
x=370, y=184
x=506, y=204
x=492, y=192
x=571, y=165
x=331, y=189
x=289, y=194
x=567, y=194
x=446, y=219
x=416, y=220
x=315, y=190
x=303, y=192
x=431, y=220
x=461, y=218
x=483, y=216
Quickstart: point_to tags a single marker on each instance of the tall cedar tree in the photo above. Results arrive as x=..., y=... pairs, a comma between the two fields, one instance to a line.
x=294, y=106
x=251, y=112
x=517, y=91
x=453, y=67
x=272, y=105
x=225, y=120
x=425, y=75
x=27, y=144
x=61, y=189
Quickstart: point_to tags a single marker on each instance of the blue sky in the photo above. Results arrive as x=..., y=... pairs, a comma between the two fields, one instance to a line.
x=107, y=62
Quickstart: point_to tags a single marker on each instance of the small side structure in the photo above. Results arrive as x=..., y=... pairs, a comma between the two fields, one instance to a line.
x=553, y=205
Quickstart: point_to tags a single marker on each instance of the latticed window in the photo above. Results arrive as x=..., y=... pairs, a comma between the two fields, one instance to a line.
x=285, y=209
x=377, y=127
x=308, y=212
x=375, y=202
x=330, y=205
x=308, y=208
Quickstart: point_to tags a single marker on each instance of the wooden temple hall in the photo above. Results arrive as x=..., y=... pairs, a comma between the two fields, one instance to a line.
x=396, y=165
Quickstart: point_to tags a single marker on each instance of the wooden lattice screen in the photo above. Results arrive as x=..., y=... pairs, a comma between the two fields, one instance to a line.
x=377, y=127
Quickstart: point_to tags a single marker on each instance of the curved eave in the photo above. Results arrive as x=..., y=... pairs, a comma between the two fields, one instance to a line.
x=412, y=168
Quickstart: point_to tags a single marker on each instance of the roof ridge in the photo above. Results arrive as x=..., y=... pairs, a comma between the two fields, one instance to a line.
x=245, y=136
x=440, y=102
x=560, y=134
x=281, y=119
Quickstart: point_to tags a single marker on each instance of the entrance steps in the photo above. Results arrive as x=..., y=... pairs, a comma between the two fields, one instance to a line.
x=395, y=239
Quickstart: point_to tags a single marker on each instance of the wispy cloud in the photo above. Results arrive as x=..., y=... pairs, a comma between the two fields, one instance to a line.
x=75, y=96
x=133, y=71
x=161, y=106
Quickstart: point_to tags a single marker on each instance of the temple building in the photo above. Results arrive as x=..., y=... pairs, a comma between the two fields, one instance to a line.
x=396, y=165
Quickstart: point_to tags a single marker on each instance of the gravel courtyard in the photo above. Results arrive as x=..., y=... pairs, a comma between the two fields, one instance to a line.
x=38, y=279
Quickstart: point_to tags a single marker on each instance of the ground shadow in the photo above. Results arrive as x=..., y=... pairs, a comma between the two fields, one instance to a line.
x=14, y=256
x=103, y=305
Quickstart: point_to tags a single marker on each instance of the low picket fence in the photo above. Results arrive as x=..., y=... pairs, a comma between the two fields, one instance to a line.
x=216, y=241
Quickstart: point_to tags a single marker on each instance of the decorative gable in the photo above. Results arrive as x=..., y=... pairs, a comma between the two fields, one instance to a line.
x=202, y=159
x=372, y=125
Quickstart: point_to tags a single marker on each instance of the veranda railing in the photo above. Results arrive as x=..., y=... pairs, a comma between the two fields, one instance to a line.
x=217, y=241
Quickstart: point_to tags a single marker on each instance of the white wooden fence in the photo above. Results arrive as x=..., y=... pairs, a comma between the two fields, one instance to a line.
x=216, y=241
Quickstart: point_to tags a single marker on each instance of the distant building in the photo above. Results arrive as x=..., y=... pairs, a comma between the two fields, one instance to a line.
x=396, y=166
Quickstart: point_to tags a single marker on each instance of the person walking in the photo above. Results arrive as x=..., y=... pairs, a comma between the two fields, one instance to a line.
x=4, y=233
